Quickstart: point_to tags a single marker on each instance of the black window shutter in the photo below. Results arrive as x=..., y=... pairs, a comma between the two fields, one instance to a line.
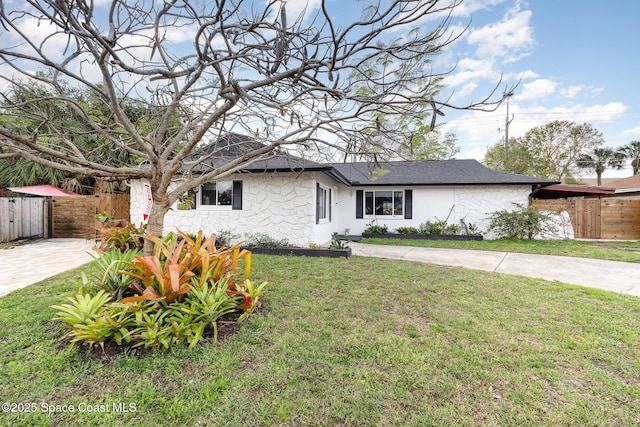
x=408, y=204
x=329, y=205
x=236, y=203
x=317, y=203
x=359, y=203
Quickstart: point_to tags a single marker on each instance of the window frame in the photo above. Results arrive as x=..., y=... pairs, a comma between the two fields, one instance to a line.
x=323, y=204
x=370, y=200
x=233, y=198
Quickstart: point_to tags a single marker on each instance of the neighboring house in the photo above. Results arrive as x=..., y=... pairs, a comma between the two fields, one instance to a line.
x=305, y=202
x=628, y=188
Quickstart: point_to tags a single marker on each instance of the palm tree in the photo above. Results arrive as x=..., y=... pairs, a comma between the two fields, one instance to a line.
x=632, y=152
x=600, y=159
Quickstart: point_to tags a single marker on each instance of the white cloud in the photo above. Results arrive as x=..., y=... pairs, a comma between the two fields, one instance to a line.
x=41, y=34
x=299, y=9
x=537, y=89
x=467, y=89
x=524, y=75
x=468, y=69
x=509, y=39
x=574, y=90
x=633, y=132
x=470, y=6
x=571, y=91
x=476, y=131
x=494, y=45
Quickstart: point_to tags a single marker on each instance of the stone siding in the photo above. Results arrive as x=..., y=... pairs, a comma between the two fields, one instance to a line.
x=280, y=205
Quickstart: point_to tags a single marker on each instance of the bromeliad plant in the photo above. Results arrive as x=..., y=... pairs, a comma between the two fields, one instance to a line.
x=167, y=274
x=125, y=238
x=165, y=299
x=114, y=280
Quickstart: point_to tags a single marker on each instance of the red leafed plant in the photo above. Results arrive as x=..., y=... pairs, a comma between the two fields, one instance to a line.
x=167, y=274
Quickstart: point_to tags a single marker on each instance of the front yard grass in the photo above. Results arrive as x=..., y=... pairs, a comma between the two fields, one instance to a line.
x=624, y=250
x=360, y=342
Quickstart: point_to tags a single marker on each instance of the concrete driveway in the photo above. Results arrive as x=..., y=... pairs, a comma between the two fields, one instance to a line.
x=615, y=276
x=33, y=262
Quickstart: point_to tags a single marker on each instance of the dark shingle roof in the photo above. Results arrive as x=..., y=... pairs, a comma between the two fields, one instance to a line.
x=441, y=172
x=436, y=172
x=232, y=146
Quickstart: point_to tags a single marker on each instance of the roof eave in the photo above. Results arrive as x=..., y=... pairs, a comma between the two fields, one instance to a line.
x=432, y=184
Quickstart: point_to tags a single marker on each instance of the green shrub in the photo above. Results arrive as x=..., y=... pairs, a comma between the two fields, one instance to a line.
x=128, y=237
x=162, y=300
x=451, y=229
x=407, y=230
x=262, y=240
x=433, y=227
x=337, y=243
x=373, y=228
x=524, y=222
x=469, y=229
x=438, y=227
x=225, y=238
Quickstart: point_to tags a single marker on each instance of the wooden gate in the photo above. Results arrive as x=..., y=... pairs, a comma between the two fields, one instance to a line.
x=76, y=216
x=588, y=219
x=23, y=218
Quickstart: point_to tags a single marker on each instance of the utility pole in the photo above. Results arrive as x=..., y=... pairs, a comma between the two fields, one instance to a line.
x=507, y=122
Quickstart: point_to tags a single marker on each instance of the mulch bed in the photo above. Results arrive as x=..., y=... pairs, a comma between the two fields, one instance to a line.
x=228, y=325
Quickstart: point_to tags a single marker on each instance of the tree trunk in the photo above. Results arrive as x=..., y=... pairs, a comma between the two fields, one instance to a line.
x=155, y=225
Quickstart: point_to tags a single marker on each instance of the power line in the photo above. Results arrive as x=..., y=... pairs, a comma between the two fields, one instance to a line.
x=595, y=117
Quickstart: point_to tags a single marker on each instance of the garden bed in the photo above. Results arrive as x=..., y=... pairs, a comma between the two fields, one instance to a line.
x=422, y=236
x=309, y=252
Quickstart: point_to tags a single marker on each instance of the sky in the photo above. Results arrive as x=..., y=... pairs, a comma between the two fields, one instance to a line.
x=575, y=60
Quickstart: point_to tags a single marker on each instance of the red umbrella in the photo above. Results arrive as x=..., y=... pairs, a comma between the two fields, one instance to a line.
x=42, y=190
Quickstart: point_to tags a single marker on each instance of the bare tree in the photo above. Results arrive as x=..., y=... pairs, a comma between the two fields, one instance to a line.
x=290, y=80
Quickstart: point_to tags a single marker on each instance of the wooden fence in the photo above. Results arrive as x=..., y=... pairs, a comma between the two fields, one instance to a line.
x=606, y=218
x=23, y=218
x=75, y=216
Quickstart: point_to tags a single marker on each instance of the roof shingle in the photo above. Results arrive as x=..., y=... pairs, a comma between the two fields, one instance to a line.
x=436, y=172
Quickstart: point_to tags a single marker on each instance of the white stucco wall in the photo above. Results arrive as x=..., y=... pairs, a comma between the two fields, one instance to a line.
x=471, y=203
x=280, y=205
x=322, y=231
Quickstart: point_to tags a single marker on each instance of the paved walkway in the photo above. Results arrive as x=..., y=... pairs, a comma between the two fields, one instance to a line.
x=615, y=276
x=26, y=264
x=30, y=263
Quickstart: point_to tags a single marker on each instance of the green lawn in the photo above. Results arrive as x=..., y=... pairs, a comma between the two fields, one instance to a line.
x=349, y=343
x=628, y=251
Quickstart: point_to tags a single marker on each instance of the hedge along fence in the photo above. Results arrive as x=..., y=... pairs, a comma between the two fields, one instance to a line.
x=76, y=216
x=23, y=218
x=606, y=218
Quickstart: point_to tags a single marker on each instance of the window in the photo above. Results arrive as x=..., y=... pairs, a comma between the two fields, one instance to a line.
x=384, y=203
x=389, y=203
x=222, y=193
x=323, y=204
